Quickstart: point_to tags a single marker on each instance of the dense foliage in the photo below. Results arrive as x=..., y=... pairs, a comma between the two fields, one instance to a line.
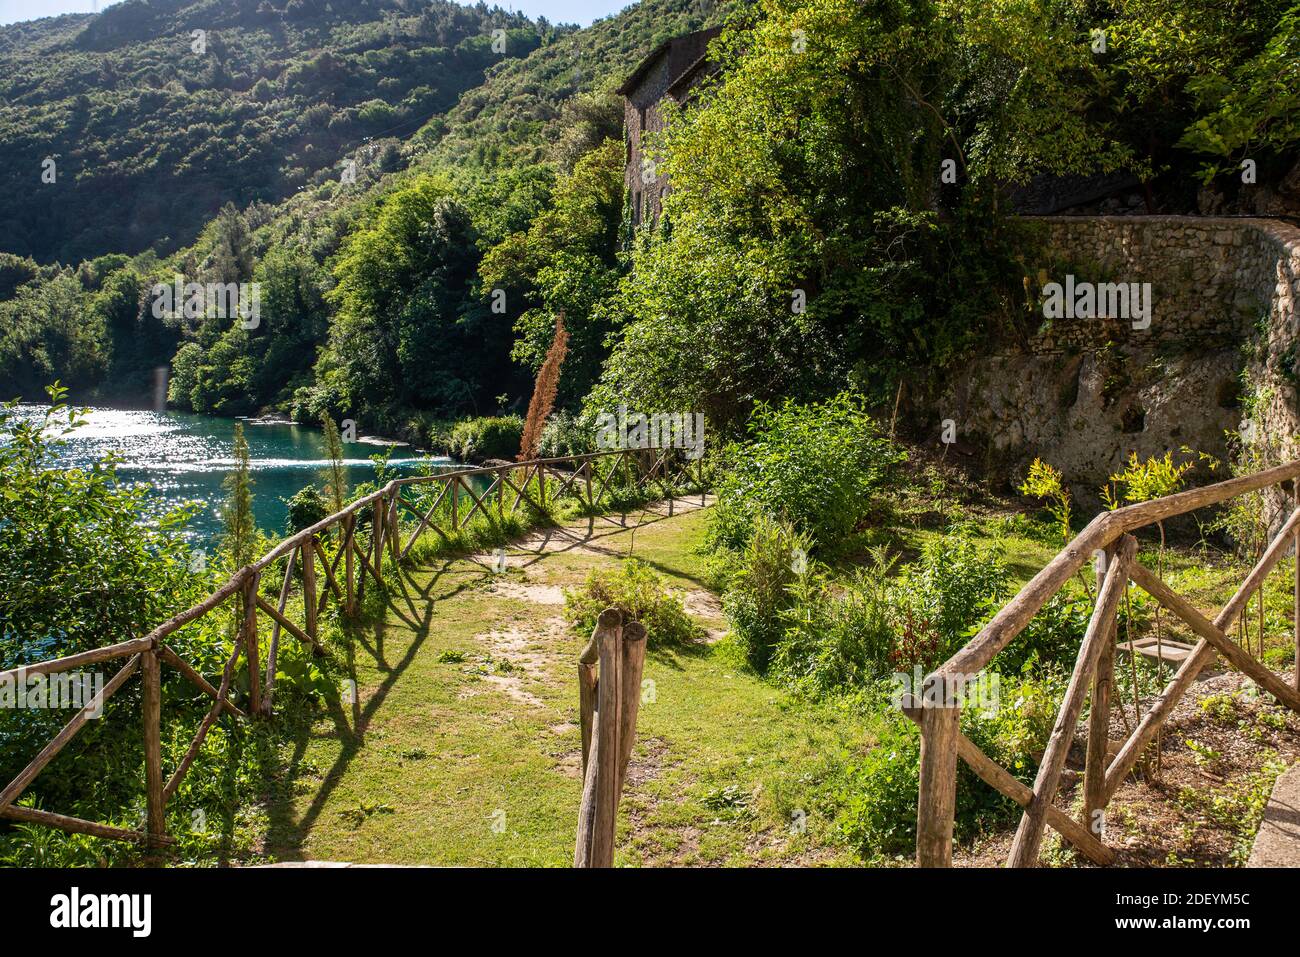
x=76, y=563
x=419, y=210
x=821, y=466
x=488, y=437
x=152, y=131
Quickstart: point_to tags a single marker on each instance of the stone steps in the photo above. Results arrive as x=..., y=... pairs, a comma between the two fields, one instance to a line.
x=1278, y=842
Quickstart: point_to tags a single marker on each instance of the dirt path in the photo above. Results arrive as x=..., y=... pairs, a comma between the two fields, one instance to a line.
x=462, y=746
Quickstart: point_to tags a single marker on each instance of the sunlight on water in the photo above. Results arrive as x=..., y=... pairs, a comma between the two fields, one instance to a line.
x=183, y=457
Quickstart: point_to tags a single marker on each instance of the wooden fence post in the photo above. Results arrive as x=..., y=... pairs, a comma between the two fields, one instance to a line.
x=309, y=588
x=1094, y=782
x=608, y=705
x=152, y=705
x=377, y=538
x=346, y=531
x=937, y=798
x=605, y=758
x=394, y=527
x=609, y=620
x=632, y=664
x=249, y=631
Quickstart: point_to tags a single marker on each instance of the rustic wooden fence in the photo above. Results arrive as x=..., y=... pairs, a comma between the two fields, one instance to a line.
x=332, y=560
x=608, y=703
x=937, y=708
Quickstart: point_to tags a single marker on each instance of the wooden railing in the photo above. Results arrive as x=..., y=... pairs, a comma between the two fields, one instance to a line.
x=937, y=708
x=450, y=502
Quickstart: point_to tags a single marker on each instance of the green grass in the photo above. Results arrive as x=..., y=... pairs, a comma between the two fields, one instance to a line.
x=463, y=748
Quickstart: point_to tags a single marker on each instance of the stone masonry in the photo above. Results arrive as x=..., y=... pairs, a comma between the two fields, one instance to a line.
x=1084, y=393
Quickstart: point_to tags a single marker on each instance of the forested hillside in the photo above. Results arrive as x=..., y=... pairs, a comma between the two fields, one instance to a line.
x=487, y=196
x=153, y=126
x=238, y=132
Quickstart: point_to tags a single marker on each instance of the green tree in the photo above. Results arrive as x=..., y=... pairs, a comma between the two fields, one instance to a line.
x=335, y=476
x=801, y=246
x=565, y=263
x=240, y=537
x=408, y=332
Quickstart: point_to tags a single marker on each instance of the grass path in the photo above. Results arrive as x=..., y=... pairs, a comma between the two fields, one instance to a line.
x=462, y=747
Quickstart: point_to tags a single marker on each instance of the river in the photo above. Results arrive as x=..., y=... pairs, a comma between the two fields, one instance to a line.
x=182, y=457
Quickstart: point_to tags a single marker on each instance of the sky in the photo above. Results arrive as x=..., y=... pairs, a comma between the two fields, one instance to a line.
x=557, y=11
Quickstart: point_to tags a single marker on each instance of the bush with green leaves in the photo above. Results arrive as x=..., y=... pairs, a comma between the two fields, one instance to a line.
x=304, y=509
x=955, y=586
x=760, y=591
x=566, y=434
x=487, y=437
x=84, y=559
x=640, y=593
x=876, y=793
x=823, y=466
x=838, y=636
x=832, y=636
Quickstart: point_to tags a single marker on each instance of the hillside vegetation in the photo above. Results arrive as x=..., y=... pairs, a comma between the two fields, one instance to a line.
x=418, y=207
x=153, y=131
x=518, y=123
x=810, y=261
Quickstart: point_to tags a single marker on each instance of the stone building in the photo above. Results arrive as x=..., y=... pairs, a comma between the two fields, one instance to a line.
x=672, y=70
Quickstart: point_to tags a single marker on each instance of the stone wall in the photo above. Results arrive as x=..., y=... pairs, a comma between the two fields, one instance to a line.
x=1212, y=278
x=1084, y=393
x=669, y=72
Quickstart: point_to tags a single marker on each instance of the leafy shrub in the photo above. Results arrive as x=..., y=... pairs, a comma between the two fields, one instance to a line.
x=565, y=434
x=639, y=592
x=877, y=794
x=837, y=636
x=760, y=590
x=81, y=556
x=821, y=466
x=298, y=670
x=1053, y=636
x=955, y=586
x=1045, y=482
x=305, y=509
x=487, y=437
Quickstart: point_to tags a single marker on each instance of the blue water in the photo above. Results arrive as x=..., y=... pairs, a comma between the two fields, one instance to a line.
x=185, y=458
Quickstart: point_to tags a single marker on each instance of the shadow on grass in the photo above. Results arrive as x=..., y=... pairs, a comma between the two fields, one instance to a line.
x=286, y=833
x=404, y=604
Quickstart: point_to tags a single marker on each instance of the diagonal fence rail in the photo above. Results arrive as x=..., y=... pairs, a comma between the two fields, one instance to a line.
x=937, y=709
x=331, y=560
